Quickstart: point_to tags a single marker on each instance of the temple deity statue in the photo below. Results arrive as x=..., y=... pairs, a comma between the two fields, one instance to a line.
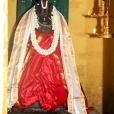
x=42, y=68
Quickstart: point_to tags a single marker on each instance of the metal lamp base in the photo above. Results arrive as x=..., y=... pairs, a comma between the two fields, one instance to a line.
x=105, y=35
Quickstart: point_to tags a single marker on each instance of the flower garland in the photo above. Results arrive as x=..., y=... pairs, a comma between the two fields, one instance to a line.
x=55, y=27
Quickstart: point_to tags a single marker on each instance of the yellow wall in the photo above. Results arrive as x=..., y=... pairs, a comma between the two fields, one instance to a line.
x=88, y=50
x=12, y=16
x=94, y=56
x=11, y=23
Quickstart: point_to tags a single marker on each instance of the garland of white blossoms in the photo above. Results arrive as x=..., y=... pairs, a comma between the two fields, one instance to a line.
x=55, y=27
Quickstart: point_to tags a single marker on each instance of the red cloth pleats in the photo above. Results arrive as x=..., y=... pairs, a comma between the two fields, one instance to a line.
x=41, y=78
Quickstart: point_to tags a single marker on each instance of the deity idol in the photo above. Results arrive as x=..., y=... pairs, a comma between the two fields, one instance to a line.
x=42, y=67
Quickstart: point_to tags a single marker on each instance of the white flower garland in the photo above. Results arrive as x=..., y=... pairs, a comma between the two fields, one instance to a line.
x=55, y=27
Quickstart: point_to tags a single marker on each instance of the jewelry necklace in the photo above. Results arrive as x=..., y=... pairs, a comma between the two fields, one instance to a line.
x=44, y=24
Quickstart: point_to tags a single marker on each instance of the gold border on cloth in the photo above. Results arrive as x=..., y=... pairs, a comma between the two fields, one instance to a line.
x=22, y=27
x=74, y=65
x=70, y=96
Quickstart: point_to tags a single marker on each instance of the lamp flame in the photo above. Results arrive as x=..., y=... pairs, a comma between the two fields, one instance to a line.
x=94, y=30
x=88, y=13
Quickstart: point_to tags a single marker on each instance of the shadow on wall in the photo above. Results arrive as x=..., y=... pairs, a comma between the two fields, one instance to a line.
x=108, y=69
x=108, y=62
x=11, y=41
x=108, y=76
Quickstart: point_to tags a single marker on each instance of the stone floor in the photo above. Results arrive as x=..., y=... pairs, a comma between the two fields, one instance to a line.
x=59, y=112
x=38, y=113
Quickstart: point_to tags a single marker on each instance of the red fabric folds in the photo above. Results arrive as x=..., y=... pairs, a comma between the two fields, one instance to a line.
x=41, y=78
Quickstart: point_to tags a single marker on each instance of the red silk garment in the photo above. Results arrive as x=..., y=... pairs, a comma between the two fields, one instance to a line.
x=42, y=78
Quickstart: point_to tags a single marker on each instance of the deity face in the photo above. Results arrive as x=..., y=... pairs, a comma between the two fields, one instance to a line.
x=44, y=17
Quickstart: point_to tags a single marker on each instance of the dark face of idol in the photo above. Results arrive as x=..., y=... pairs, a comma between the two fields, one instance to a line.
x=43, y=11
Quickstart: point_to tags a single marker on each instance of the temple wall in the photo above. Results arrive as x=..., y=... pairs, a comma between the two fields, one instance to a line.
x=11, y=23
x=94, y=56
x=12, y=16
x=88, y=50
